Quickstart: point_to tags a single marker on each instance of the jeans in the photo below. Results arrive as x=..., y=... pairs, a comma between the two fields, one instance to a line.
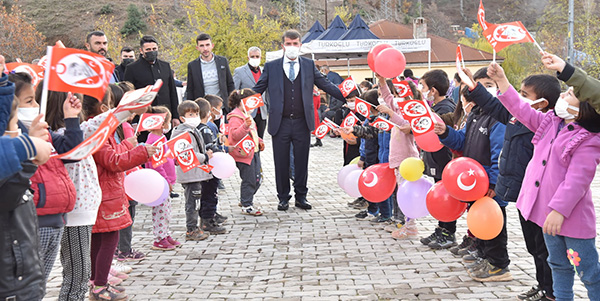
x=588, y=269
x=251, y=178
x=385, y=207
x=192, y=192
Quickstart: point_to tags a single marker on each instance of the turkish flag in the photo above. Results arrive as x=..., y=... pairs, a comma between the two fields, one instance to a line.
x=418, y=114
x=139, y=98
x=362, y=107
x=160, y=157
x=460, y=63
x=402, y=88
x=347, y=86
x=35, y=71
x=207, y=168
x=502, y=35
x=78, y=71
x=321, y=130
x=350, y=120
x=247, y=144
x=224, y=127
x=183, y=150
x=93, y=143
x=151, y=122
x=252, y=102
x=330, y=123
x=382, y=124
x=481, y=17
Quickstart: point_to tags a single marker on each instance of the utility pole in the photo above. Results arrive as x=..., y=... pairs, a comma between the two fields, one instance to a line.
x=301, y=7
x=570, y=50
x=385, y=7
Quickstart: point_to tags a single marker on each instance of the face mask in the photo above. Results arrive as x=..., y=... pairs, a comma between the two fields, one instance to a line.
x=291, y=52
x=218, y=116
x=428, y=96
x=466, y=108
x=254, y=62
x=167, y=129
x=126, y=62
x=351, y=106
x=380, y=100
x=151, y=56
x=26, y=115
x=493, y=91
x=561, y=109
x=192, y=121
x=532, y=102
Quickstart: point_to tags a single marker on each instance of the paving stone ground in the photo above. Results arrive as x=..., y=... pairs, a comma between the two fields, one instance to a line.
x=321, y=254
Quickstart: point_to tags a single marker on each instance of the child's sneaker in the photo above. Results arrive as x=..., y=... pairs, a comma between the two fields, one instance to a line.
x=491, y=273
x=196, y=235
x=468, y=250
x=131, y=255
x=380, y=219
x=173, y=242
x=471, y=257
x=121, y=268
x=251, y=211
x=221, y=219
x=105, y=293
x=211, y=226
x=466, y=242
x=112, y=280
x=361, y=204
x=477, y=265
x=163, y=245
x=364, y=215
x=533, y=291
x=443, y=241
x=113, y=272
x=393, y=227
x=408, y=230
x=432, y=237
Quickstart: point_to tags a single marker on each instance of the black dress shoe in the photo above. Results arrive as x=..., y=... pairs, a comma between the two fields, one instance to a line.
x=283, y=205
x=303, y=204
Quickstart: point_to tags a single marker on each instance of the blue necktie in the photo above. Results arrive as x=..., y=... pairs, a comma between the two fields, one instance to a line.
x=292, y=75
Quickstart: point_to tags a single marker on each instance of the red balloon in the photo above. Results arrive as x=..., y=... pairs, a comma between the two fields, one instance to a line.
x=374, y=52
x=465, y=179
x=442, y=205
x=377, y=182
x=429, y=142
x=390, y=63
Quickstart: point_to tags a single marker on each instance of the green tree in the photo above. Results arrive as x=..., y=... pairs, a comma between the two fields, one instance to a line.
x=134, y=22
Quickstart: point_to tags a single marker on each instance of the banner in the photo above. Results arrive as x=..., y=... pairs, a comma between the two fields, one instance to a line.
x=402, y=87
x=93, y=143
x=347, y=86
x=418, y=114
x=321, y=130
x=139, y=98
x=247, y=144
x=502, y=35
x=350, y=120
x=160, y=157
x=151, y=122
x=362, y=107
x=252, y=102
x=382, y=124
x=183, y=151
x=35, y=71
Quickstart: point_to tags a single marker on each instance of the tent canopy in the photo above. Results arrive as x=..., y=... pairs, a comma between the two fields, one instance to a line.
x=336, y=29
x=314, y=32
x=358, y=30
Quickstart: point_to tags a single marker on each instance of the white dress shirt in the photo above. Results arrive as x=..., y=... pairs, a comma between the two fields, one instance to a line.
x=286, y=66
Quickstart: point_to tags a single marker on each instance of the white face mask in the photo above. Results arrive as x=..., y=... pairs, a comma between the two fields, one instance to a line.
x=428, y=96
x=167, y=129
x=218, y=116
x=532, y=102
x=292, y=52
x=26, y=115
x=192, y=121
x=493, y=91
x=467, y=107
x=561, y=109
x=351, y=105
x=254, y=62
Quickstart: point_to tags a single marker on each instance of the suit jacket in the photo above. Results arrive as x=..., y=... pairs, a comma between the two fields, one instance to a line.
x=244, y=78
x=139, y=73
x=272, y=79
x=195, y=83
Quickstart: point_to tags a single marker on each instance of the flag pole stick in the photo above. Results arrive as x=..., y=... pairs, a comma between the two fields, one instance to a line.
x=44, y=98
x=493, y=55
x=538, y=46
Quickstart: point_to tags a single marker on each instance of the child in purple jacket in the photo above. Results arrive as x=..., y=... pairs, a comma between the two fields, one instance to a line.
x=556, y=191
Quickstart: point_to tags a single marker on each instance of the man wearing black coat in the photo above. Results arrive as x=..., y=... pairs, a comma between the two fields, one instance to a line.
x=148, y=69
x=209, y=73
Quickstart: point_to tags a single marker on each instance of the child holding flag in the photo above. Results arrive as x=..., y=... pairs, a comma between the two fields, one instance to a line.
x=245, y=146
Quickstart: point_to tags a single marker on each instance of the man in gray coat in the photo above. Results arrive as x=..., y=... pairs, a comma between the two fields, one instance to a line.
x=246, y=77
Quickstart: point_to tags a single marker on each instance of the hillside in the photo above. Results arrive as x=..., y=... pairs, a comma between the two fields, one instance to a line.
x=71, y=20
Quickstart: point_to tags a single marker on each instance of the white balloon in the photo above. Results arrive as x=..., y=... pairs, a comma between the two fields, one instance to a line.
x=343, y=173
x=223, y=165
x=351, y=183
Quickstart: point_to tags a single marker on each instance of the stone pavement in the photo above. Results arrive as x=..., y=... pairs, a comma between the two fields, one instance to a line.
x=321, y=254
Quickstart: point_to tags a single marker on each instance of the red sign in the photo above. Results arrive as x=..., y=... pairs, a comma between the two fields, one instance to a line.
x=347, y=86
x=350, y=120
x=502, y=35
x=160, y=157
x=321, y=130
x=247, y=144
x=151, y=122
x=93, y=143
x=183, y=150
x=224, y=127
x=402, y=88
x=382, y=124
x=139, y=98
x=35, y=71
x=481, y=16
x=78, y=71
x=418, y=114
x=330, y=123
x=362, y=107
x=252, y=102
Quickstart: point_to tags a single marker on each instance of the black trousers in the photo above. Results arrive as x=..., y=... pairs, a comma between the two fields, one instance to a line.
x=291, y=131
x=261, y=124
x=534, y=240
x=495, y=249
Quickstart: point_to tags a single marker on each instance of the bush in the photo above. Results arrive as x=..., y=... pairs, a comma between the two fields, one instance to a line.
x=134, y=22
x=106, y=9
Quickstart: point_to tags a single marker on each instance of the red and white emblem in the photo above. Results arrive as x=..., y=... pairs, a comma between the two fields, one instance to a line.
x=414, y=109
x=382, y=124
x=321, y=131
x=362, y=107
x=350, y=120
x=422, y=124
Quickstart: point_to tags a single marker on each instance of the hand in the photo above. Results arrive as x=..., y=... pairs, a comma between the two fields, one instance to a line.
x=327, y=110
x=71, y=106
x=248, y=121
x=209, y=153
x=261, y=146
x=385, y=109
x=347, y=130
x=553, y=62
x=350, y=139
x=491, y=193
x=405, y=129
x=439, y=128
x=39, y=128
x=175, y=122
x=553, y=223
x=380, y=78
x=468, y=72
x=184, y=83
x=223, y=139
x=2, y=64
x=361, y=164
x=496, y=73
x=132, y=140
x=151, y=149
x=43, y=150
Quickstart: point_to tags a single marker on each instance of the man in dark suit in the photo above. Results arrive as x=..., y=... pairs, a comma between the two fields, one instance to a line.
x=209, y=74
x=147, y=69
x=127, y=57
x=246, y=77
x=289, y=82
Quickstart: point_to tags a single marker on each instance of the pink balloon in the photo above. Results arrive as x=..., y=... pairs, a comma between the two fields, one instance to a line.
x=390, y=62
x=145, y=185
x=162, y=198
x=375, y=50
x=223, y=165
x=429, y=142
x=343, y=173
x=351, y=183
x=412, y=198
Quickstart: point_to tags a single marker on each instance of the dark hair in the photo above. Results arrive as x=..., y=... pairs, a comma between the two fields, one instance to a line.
x=291, y=34
x=21, y=80
x=54, y=115
x=437, y=79
x=457, y=77
x=187, y=106
x=367, y=84
x=126, y=49
x=371, y=97
x=96, y=33
x=354, y=93
x=236, y=96
x=147, y=39
x=391, y=87
x=202, y=37
x=126, y=86
x=203, y=107
x=415, y=90
x=160, y=110
x=408, y=74
x=90, y=106
x=117, y=94
x=544, y=86
x=214, y=100
x=588, y=118
x=481, y=73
